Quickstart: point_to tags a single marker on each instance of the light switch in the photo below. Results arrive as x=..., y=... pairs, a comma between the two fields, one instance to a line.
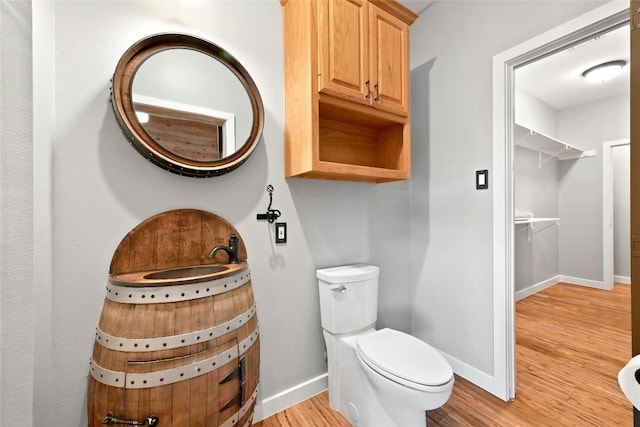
x=482, y=179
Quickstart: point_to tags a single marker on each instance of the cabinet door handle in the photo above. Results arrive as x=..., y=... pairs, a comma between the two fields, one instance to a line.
x=152, y=420
x=377, y=98
x=368, y=94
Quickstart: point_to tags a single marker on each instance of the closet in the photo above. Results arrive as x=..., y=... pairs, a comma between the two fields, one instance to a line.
x=563, y=132
x=538, y=163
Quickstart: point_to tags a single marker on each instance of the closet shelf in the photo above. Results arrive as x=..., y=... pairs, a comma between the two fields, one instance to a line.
x=533, y=220
x=537, y=141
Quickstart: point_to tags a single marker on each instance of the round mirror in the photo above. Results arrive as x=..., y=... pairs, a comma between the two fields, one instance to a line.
x=187, y=105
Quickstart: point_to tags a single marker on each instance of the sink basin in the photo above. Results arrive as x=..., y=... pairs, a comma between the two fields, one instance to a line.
x=176, y=275
x=185, y=272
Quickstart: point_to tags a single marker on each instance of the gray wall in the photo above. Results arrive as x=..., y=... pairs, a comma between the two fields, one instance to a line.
x=451, y=221
x=390, y=237
x=536, y=191
x=17, y=287
x=534, y=114
x=587, y=126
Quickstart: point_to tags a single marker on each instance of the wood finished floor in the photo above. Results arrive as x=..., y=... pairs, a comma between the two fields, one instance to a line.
x=571, y=341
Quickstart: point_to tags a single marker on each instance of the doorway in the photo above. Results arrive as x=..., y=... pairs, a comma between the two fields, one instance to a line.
x=590, y=25
x=615, y=213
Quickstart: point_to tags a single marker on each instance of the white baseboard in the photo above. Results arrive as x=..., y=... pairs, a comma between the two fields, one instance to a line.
x=523, y=293
x=474, y=375
x=287, y=398
x=622, y=279
x=566, y=279
x=583, y=282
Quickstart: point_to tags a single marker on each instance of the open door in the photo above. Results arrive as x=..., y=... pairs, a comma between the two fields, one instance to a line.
x=635, y=185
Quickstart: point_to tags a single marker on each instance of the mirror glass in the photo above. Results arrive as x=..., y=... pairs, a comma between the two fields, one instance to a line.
x=190, y=107
x=191, y=104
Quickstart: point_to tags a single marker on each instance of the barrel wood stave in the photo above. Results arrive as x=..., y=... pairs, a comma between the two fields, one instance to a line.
x=178, y=400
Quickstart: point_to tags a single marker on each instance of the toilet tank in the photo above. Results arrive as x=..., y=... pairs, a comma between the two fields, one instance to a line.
x=348, y=297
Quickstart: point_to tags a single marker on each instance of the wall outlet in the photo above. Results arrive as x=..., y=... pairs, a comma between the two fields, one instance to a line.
x=281, y=232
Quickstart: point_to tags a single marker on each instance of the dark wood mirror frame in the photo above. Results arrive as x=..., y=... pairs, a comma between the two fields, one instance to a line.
x=121, y=100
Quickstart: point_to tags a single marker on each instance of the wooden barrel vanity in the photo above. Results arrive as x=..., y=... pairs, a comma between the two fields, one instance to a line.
x=177, y=342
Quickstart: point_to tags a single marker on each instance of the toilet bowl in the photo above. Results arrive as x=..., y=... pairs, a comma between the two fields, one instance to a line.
x=377, y=378
x=402, y=378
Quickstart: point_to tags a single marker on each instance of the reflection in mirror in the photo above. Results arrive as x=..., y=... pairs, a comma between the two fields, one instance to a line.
x=188, y=131
x=191, y=108
x=199, y=93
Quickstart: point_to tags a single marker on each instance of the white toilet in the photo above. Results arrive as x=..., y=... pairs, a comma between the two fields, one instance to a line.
x=382, y=378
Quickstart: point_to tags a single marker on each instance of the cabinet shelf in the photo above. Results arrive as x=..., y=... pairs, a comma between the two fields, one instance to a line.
x=349, y=172
x=538, y=141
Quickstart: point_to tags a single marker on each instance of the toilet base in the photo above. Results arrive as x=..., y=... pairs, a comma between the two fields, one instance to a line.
x=345, y=390
x=365, y=398
x=387, y=413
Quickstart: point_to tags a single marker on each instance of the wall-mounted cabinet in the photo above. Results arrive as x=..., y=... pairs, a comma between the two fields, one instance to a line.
x=347, y=89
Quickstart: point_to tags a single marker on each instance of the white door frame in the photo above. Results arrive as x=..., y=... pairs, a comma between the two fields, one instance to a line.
x=598, y=21
x=607, y=211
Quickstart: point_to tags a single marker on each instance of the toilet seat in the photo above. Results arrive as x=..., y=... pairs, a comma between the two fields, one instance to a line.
x=404, y=359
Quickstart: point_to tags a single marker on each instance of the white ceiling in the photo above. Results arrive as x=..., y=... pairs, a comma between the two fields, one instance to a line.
x=416, y=5
x=557, y=80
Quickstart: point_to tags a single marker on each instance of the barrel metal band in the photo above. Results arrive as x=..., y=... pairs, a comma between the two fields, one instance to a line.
x=174, y=341
x=242, y=412
x=174, y=375
x=175, y=293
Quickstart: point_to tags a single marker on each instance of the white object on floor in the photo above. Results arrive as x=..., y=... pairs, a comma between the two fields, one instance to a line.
x=628, y=379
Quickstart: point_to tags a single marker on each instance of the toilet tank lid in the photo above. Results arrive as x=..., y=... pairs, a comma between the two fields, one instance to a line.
x=348, y=273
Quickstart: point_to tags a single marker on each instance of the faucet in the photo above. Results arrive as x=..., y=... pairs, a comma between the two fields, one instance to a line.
x=231, y=250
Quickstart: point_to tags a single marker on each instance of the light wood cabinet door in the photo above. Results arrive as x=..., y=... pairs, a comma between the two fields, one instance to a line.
x=343, y=48
x=363, y=54
x=388, y=61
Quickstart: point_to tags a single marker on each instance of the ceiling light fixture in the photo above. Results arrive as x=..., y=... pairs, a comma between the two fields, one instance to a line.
x=603, y=72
